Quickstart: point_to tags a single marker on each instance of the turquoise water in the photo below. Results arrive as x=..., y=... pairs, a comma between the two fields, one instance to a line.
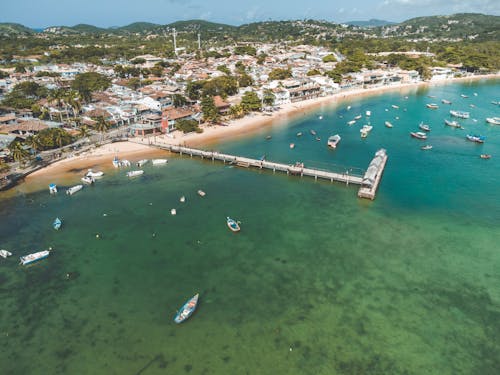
x=316, y=282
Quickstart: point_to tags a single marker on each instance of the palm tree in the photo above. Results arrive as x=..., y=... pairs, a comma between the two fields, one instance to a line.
x=83, y=131
x=73, y=100
x=34, y=142
x=18, y=153
x=59, y=137
x=102, y=126
x=57, y=96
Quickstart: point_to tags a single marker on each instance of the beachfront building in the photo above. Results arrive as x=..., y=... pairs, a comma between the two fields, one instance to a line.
x=440, y=73
x=170, y=117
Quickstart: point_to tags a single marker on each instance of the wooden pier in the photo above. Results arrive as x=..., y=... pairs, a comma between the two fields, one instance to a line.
x=292, y=170
x=373, y=175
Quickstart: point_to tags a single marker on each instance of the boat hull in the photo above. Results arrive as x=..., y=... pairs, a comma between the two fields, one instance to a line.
x=33, y=258
x=187, y=310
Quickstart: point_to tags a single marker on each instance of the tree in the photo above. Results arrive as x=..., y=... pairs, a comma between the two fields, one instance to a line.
x=18, y=152
x=87, y=83
x=34, y=142
x=329, y=58
x=261, y=59
x=134, y=83
x=268, y=98
x=179, y=100
x=279, y=74
x=251, y=101
x=83, y=131
x=245, y=50
x=244, y=80
x=237, y=111
x=210, y=112
x=138, y=61
x=72, y=98
x=224, y=69
x=313, y=72
x=101, y=126
x=188, y=126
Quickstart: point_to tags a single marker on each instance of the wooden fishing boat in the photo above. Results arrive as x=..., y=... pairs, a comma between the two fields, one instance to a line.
x=432, y=106
x=187, y=309
x=233, y=225
x=333, y=141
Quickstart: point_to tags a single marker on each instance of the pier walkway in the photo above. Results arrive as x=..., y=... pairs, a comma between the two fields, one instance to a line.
x=294, y=170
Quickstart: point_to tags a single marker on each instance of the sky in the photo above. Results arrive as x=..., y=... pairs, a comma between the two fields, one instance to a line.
x=106, y=13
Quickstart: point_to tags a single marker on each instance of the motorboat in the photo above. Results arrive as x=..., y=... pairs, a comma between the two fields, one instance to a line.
x=395, y=106
x=159, y=161
x=444, y=101
x=485, y=156
x=125, y=163
x=35, y=257
x=313, y=132
x=426, y=147
x=368, y=113
x=365, y=130
x=299, y=134
x=173, y=212
x=201, y=193
x=357, y=117
x=460, y=114
x=268, y=137
x=233, y=224
x=91, y=173
x=475, y=138
x=5, y=253
x=320, y=117
x=388, y=124
x=493, y=120
x=182, y=199
x=292, y=145
x=187, y=309
x=418, y=135
x=424, y=127
x=74, y=189
x=135, y=173
x=52, y=188
x=432, y=106
x=88, y=180
x=453, y=124
x=352, y=122
x=57, y=223
x=333, y=141
x=117, y=163
x=141, y=162
x=464, y=96
x=349, y=107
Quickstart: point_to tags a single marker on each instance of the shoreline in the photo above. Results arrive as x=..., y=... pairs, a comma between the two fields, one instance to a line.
x=69, y=168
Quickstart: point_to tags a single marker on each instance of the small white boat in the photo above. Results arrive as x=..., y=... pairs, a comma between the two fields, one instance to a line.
x=173, y=212
x=368, y=113
x=125, y=163
x=186, y=310
x=493, y=120
x=57, y=223
x=74, y=189
x=233, y=225
x=388, y=124
x=88, y=180
x=349, y=107
x=460, y=114
x=135, y=173
x=52, y=188
x=299, y=134
x=464, y=96
x=426, y=147
x=159, y=161
x=320, y=117
x=5, y=253
x=292, y=145
x=432, y=106
x=444, y=101
x=201, y=193
x=357, y=117
x=313, y=132
x=333, y=141
x=183, y=199
x=418, y=135
x=424, y=127
x=352, y=122
x=395, y=106
x=91, y=173
x=475, y=94
x=116, y=162
x=453, y=124
x=35, y=257
x=140, y=163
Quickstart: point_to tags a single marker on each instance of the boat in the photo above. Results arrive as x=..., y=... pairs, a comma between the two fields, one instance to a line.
x=460, y=114
x=453, y=124
x=233, y=225
x=464, y=96
x=299, y=134
x=187, y=309
x=388, y=124
x=57, y=223
x=493, y=120
x=426, y=147
x=125, y=163
x=424, y=127
x=349, y=107
x=318, y=139
x=140, y=163
x=116, y=162
x=201, y=193
x=366, y=128
x=35, y=257
x=5, y=253
x=368, y=113
x=183, y=199
x=159, y=161
x=431, y=96
x=444, y=101
x=313, y=132
x=494, y=102
x=72, y=190
x=91, y=173
x=173, y=212
x=475, y=138
x=135, y=173
x=485, y=156
x=268, y=137
x=357, y=117
x=52, y=188
x=333, y=141
x=352, y=122
x=88, y=180
x=292, y=145
x=432, y=106
x=418, y=135
x=395, y=106
x=475, y=94
x=320, y=117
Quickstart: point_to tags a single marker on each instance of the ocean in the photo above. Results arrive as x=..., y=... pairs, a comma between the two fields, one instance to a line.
x=317, y=281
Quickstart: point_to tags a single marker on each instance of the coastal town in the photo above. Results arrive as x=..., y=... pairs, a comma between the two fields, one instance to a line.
x=51, y=110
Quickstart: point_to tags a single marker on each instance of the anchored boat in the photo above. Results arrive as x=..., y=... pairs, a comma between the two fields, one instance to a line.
x=187, y=309
x=5, y=253
x=493, y=120
x=424, y=127
x=460, y=114
x=140, y=163
x=453, y=124
x=432, y=106
x=72, y=190
x=418, y=135
x=135, y=173
x=57, y=223
x=233, y=224
x=388, y=124
x=52, y=188
x=159, y=161
x=88, y=180
x=93, y=174
x=333, y=141
x=475, y=138
x=35, y=257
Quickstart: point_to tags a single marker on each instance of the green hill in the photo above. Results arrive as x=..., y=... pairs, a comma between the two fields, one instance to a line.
x=15, y=29
x=370, y=23
x=137, y=27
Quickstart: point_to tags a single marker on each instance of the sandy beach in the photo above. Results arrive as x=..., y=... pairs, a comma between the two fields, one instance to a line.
x=100, y=158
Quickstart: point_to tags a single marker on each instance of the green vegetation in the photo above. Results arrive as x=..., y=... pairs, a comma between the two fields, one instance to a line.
x=188, y=126
x=24, y=95
x=245, y=50
x=223, y=86
x=87, y=83
x=50, y=138
x=179, y=101
x=313, y=72
x=278, y=74
x=269, y=98
x=329, y=58
x=251, y=102
x=210, y=112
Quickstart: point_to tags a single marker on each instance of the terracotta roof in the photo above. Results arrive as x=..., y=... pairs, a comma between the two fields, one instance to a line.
x=177, y=113
x=219, y=102
x=7, y=118
x=25, y=126
x=98, y=112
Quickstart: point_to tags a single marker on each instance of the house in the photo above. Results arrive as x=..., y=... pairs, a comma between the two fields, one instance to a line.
x=222, y=106
x=25, y=128
x=8, y=119
x=172, y=115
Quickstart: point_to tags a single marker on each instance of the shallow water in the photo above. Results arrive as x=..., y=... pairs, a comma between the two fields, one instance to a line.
x=316, y=282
